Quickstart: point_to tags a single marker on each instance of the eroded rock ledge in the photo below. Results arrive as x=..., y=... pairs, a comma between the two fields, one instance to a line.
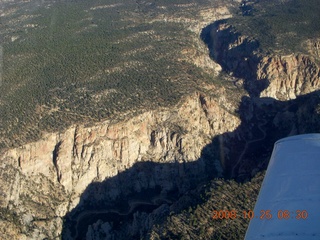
x=265, y=75
x=43, y=180
x=71, y=160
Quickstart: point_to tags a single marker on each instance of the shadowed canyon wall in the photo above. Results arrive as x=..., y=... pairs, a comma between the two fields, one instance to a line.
x=71, y=160
x=164, y=153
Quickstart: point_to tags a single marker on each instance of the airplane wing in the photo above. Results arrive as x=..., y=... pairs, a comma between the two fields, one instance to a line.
x=288, y=205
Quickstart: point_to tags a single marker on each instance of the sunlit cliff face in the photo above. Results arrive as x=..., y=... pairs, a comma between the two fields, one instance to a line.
x=211, y=106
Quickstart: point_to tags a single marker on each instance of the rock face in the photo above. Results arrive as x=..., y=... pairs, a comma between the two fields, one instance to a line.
x=71, y=160
x=289, y=76
x=313, y=47
x=275, y=76
x=42, y=181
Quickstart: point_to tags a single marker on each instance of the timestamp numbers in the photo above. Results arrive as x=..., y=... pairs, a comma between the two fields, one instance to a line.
x=263, y=214
x=224, y=214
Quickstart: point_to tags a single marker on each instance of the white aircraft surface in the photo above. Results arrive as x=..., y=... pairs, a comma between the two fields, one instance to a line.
x=288, y=205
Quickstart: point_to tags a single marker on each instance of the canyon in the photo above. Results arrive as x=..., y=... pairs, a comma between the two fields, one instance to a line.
x=138, y=170
x=72, y=160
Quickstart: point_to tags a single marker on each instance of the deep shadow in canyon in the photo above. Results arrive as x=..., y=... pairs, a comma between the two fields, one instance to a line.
x=263, y=120
x=146, y=193
x=127, y=205
x=236, y=54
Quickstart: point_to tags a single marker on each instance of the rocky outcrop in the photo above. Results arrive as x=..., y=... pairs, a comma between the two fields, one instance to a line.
x=289, y=76
x=313, y=47
x=234, y=52
x=275, y=76
x=32, y=206
x=73, y=159
x=43, y=180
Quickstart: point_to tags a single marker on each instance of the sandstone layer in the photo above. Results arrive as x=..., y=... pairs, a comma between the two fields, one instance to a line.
x=265, y=75
x=44, y=180
x=69, y=161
